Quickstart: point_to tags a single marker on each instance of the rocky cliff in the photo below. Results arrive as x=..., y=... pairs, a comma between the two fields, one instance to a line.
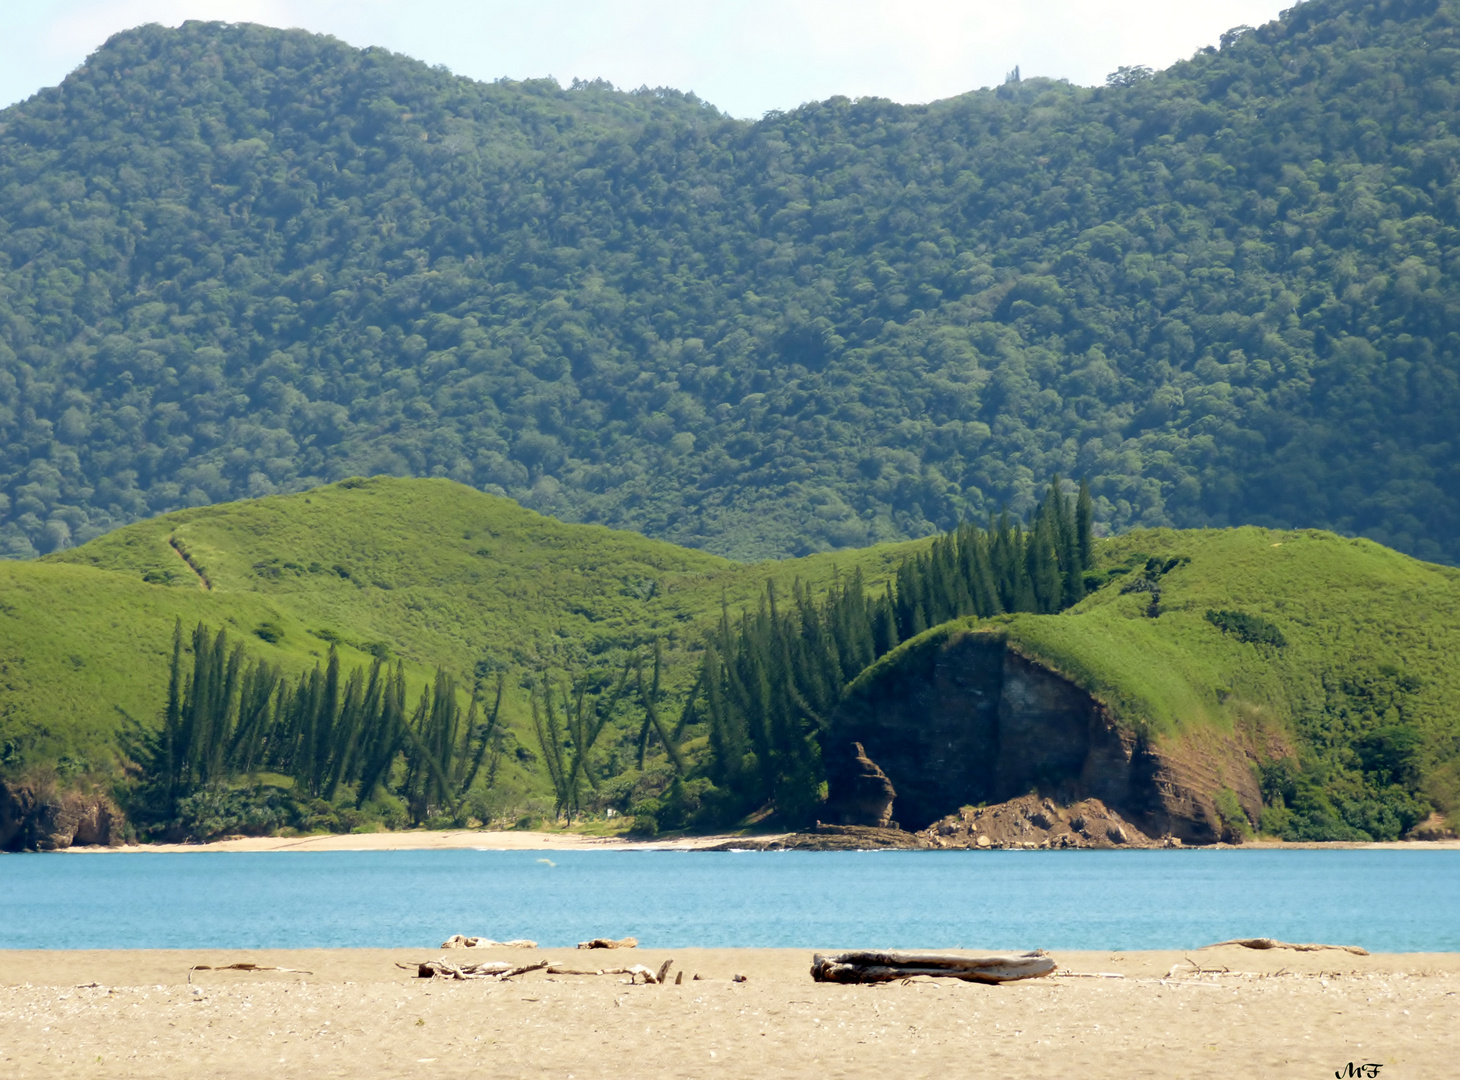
x=39, y=816
x=971, y=721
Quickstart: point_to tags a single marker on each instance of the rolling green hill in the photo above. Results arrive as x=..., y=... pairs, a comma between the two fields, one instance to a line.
x=426, y=571
x=237, y=261
x=1317, y=671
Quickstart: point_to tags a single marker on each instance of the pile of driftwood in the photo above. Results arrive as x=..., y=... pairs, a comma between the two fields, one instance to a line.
x=463, y=941
x=501, y=970
x=875, y=967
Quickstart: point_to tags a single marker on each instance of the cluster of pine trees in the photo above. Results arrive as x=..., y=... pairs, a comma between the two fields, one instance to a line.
x=228, y=717
x=569, y=716
x=771, y=681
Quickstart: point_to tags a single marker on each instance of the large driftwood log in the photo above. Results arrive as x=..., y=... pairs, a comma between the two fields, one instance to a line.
x=872, y=967
x=462, y=941
x=610, y=943
x=440, y=969
x=1269, y=943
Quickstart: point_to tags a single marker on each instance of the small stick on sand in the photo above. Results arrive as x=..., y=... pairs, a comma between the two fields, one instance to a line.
x=244, y=967
x=1269, y=943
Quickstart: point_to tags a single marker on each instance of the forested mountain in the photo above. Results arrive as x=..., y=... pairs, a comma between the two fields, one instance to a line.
x=235, y=260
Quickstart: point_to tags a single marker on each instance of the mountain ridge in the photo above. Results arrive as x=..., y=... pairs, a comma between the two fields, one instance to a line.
x=236, y=261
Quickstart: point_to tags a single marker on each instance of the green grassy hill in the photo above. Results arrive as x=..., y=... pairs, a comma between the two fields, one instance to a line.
x=1331, y=661
x=428, y=571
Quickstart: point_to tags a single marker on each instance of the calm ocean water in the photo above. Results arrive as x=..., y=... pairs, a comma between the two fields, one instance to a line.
x=1383, y=900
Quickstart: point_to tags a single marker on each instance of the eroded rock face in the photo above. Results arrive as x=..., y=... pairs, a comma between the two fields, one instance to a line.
x=978, y=723
x=867, y=794
x=41, y=818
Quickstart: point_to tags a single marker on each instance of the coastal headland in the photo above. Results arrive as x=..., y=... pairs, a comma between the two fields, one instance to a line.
x=1225, y=1011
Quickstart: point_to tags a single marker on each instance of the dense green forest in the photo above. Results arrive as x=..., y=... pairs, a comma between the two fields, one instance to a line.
x=235, y=261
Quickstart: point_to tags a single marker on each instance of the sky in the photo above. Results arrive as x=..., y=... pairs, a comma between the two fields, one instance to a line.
x=746, y=57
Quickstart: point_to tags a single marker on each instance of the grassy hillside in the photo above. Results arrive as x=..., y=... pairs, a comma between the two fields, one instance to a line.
x=1333, y=655
x=1337, y=657
x=236, y=261
x=428, y=571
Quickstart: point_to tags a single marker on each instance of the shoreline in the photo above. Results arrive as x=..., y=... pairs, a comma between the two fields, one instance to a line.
x=425, y=840
x=512, y=840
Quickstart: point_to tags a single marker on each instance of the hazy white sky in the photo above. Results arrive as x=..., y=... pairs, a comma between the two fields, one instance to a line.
x=745, y=56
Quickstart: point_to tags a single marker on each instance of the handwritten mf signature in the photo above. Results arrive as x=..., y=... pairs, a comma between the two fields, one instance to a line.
x=1367, y=1069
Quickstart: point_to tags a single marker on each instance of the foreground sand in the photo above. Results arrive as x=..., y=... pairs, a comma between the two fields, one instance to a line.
x=1257, y=1014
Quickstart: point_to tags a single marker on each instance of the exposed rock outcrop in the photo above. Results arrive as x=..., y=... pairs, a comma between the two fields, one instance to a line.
x=1034, y=822
x=1433, y=827
x=40, y=817
x=833, y=838
x=867, y=796
x=972, y=721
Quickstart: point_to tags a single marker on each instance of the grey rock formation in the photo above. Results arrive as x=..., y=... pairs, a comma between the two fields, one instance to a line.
x=865, y=793
x=43, y=818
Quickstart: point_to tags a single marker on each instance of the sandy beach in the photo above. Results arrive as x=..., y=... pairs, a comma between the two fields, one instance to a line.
x=514, y=840
x=429, y=840
x=1216, y=1012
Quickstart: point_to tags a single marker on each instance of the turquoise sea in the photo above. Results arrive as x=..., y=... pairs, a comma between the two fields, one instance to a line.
x=1392, y=901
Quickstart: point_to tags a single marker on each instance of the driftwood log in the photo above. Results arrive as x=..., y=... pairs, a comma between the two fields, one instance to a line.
x=462, y=941
x=637, y=971
x=501, y=970
x=1269, y=943
x=610, y=943
x=440, y=969
x=873, y=967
